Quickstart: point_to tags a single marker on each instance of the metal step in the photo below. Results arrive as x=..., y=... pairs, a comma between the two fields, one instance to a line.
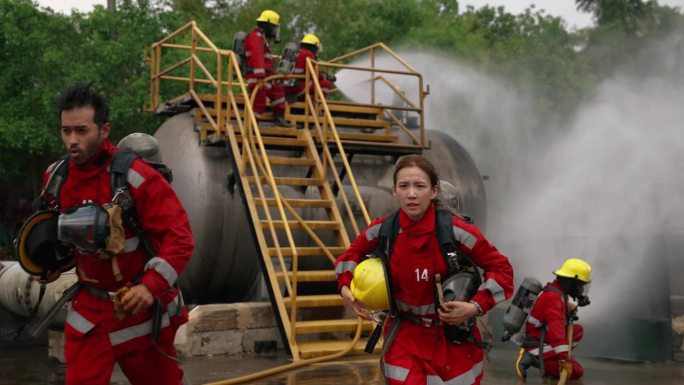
x=279, y=142
x=317, y=300
x=309, y=275
x=284, y=160
x=308, y=203
x=316, y=225
x=307, y=251
x=287, y=181
x=344, y=325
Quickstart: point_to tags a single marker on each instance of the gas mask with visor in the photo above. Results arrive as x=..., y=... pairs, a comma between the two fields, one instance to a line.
x=460, y=286
x=92, y=228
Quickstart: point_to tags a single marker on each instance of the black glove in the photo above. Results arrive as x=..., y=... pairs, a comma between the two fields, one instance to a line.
x=332, y=78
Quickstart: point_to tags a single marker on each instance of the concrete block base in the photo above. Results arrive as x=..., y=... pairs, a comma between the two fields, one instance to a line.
x=244, y=328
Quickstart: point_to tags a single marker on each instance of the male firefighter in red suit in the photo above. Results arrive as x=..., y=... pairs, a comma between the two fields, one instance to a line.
x=309, y=48
x=97, y=337
x=552, y=314
x=259, y=65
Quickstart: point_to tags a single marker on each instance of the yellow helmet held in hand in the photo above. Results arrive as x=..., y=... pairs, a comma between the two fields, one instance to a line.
x=312, y=39
x=369, y=285
x=575, y=268
x=270, y=17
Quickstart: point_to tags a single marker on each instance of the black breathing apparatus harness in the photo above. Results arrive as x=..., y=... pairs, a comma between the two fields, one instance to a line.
x=458, y=262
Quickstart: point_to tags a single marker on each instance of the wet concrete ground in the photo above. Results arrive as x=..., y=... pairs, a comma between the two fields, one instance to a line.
x=31, y=366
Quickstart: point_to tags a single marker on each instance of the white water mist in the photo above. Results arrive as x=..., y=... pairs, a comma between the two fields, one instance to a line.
x=606, y=188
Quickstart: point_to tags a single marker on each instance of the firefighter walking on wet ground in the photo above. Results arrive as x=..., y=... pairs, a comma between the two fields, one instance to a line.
x=551, y=331
x=429, y=282
x=309, y=48
x=259, y=65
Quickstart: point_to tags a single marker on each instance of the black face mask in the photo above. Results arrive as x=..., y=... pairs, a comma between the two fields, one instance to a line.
x=575, y=289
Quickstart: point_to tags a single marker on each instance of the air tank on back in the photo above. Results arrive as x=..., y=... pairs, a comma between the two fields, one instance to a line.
x=225, y=266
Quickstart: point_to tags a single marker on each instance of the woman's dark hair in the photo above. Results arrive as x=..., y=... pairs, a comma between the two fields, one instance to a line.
x=82, y=95
x=416, y=161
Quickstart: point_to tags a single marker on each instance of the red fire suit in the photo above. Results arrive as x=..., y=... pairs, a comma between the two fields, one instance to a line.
x=259, y=64
x=300, y=69
x=420, y=352
x=550, y=312
x=95, y=339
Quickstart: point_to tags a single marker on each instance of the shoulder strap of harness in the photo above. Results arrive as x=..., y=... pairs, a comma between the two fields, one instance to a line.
x=121, y=163
x=49, y=197
x=121, y=195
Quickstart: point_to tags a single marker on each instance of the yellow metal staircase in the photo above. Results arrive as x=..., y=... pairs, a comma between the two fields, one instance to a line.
x=299, y=235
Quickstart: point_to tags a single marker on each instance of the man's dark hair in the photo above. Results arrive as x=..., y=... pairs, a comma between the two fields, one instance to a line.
x=82, y=95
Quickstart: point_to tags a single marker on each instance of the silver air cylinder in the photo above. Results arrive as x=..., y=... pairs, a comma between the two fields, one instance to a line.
x=515, y=316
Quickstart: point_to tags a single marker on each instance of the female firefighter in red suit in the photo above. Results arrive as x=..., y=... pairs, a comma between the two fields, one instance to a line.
x=96, y=338
x=420, y=353
x=259, y=65
x=308, y=49
x=550, y=317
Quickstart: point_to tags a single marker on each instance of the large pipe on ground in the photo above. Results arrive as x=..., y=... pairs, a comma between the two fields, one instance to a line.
x=19, y=295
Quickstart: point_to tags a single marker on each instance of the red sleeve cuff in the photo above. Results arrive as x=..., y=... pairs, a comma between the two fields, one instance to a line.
x=155, y=283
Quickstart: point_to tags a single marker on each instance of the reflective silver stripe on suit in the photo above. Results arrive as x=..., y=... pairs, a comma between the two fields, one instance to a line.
x=131, y=244
x=548, y=348
x=134, y=178
x=537, y=323
x=252, y=81
x=78, y=322
x=417, y=310
x=298, y=71
x=467, y=378
x=139, y=330
x=268, y=56
x=394, y=372
x=346, y=266
x=162, y=267
x=494, y=288
x=373, y=232
x=135, y=331
x=259, y=71
x=278, y=101
x=464, y=237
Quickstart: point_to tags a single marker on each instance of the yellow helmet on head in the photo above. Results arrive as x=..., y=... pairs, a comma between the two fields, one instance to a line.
x=269, y=16
x=369, y=285
x=312, y=39
x=575, y=268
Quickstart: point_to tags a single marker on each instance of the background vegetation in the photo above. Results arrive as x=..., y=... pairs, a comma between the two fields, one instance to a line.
x=41, y=52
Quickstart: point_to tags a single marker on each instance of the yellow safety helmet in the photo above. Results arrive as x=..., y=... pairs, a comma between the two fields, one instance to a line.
x=270, y=17
x=369, y=285
x=575, y=268
x=312, y=39
x=37, y=246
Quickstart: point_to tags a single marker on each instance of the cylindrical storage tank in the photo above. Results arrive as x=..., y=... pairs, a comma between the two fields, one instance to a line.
x=455, y=166
x=225, y=265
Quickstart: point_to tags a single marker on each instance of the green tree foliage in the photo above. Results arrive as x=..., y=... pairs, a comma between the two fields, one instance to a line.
x=624, y=27
x=42, y=52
